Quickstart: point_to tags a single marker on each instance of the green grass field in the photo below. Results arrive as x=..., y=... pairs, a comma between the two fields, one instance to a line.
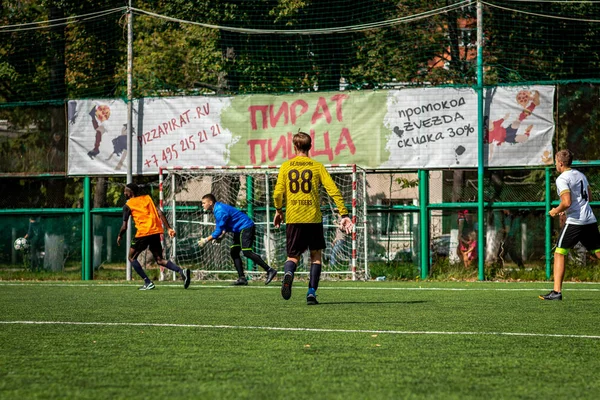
x=366, y=340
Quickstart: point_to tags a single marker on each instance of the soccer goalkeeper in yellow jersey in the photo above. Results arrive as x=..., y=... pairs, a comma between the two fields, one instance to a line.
x=298, y=185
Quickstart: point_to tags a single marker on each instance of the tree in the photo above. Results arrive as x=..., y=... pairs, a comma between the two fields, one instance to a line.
x=534, y=45
x=42, y=67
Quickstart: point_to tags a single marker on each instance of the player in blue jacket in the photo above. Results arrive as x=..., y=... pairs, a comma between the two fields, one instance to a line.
x=230, y=219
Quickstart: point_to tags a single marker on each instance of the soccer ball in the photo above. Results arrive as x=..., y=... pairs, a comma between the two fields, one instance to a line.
x=21, y=244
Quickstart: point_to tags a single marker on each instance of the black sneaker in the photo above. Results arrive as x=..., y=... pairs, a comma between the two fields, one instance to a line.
x=311, y=299
x=551, y=296
x=187, y=278
x=286, y=285
x=147, y=286
x=241, y=282
x=270, y=275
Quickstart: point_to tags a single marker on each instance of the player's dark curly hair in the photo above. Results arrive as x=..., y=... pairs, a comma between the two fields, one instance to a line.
x=133, y=187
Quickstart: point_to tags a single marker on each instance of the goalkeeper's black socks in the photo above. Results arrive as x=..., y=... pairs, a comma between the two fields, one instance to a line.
x=256, y=258
x=290, y=267
x=239, y=266
x=315, y=276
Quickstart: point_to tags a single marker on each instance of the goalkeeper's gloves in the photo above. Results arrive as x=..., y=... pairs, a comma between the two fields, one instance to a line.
x=202, y=242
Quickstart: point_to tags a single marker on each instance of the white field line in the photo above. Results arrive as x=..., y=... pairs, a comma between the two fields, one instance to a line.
x=276, y=286
x=321, y=330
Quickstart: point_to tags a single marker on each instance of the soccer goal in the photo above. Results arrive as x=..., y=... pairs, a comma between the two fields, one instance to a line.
x=251, y=190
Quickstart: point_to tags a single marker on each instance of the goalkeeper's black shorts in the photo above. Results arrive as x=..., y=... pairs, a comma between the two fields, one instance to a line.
x=302, y=237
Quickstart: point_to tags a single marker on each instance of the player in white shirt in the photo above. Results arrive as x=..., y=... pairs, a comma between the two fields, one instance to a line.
x=581, y=226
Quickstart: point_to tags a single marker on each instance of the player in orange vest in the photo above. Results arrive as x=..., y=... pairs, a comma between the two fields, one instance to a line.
x=149, y=222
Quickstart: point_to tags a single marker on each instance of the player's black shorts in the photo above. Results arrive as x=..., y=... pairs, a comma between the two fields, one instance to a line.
x=151, y=241
x=301, y=237
x=588, y=235
x=245, y=238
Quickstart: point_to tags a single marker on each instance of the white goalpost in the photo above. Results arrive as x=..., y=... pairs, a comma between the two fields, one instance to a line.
x=250, y=189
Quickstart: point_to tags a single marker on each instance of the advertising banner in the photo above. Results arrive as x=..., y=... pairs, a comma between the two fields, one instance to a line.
x=431, y=128
x=399, y=129
x=519, y=126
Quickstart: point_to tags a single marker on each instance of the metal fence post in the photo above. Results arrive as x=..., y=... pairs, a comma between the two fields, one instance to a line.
x=480, y=158
x=548, y=223
x=424, y=221
x=86, y=265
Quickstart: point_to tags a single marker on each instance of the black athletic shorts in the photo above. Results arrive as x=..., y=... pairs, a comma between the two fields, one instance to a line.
x=245, y=238
x=588, y=235
x=301, y=237
x=151, y=241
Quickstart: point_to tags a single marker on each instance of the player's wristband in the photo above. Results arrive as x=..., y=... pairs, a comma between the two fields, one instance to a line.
x=345, y=216
x=279, y=209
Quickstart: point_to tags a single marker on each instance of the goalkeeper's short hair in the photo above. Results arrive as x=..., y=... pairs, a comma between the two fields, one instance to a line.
x=210, y=196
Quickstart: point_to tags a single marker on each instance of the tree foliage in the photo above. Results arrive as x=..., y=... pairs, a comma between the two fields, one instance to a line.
x=87, y=58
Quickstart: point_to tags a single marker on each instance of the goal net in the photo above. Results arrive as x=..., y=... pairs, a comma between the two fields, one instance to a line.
x=251, y=190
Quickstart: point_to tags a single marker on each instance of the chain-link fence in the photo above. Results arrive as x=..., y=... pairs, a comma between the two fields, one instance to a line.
x=372, y=45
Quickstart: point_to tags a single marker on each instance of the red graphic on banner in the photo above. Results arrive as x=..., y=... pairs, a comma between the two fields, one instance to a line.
x=271, y=116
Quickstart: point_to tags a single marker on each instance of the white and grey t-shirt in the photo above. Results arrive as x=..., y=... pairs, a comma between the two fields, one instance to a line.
x=580, y=212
